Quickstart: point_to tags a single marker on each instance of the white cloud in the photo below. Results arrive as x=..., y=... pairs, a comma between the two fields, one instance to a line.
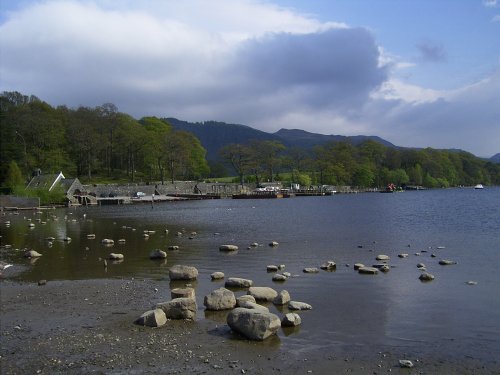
x=241, y=61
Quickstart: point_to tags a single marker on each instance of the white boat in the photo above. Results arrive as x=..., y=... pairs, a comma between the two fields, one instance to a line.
x=479, y=186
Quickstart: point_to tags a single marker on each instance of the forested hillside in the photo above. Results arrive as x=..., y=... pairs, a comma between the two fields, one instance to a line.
x=103, y=143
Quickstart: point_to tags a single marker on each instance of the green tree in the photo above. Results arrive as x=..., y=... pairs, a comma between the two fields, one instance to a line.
x=14, y=176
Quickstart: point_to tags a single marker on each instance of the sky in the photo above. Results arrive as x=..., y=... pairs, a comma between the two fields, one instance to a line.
x=418, y=73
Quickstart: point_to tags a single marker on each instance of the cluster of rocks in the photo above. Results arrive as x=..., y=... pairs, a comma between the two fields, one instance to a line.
x=245, y=315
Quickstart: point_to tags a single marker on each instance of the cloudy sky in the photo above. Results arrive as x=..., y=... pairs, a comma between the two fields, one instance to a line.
x=421, y=73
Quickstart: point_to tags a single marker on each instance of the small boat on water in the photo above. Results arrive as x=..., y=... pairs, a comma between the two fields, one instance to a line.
x=479, y=186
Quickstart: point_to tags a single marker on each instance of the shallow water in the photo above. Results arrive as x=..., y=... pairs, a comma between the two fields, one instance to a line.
x=393, y=309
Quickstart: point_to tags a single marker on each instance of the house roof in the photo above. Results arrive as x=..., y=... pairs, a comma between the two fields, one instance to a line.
x=45, y=181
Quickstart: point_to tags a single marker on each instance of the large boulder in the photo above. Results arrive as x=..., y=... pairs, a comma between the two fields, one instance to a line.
x=253, y=324
x=220, y=299
x=262, y=293
x=179, y=308
x=236, y=282
x=152, y=318
x=180, y=272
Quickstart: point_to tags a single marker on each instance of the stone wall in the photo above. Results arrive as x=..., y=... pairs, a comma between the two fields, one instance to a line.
x=11, y=201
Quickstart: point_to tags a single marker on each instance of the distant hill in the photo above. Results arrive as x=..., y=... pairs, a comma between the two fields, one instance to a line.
x=495, y=158
x=304, y=139
x=213, y=135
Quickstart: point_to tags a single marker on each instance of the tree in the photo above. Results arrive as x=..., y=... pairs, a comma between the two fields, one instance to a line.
x=239, y=157
x=14, y=176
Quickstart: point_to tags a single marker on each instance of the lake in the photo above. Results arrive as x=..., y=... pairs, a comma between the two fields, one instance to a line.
x=394, y=309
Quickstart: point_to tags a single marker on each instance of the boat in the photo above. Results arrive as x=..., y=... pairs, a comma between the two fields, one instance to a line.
x=479, y=186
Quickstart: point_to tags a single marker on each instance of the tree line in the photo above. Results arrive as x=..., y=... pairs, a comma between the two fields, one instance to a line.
x=101, y=142
x=94, y=142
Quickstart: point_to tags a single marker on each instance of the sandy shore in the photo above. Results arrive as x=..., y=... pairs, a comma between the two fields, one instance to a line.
x=80, y=327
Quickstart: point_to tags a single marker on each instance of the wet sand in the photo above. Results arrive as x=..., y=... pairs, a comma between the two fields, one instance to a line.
x=81, y=327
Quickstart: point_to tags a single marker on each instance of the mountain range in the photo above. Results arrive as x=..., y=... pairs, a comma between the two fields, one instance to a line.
x=214, y=134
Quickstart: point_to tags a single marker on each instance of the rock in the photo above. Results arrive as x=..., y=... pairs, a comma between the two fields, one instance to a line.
x=310, y=270
x=173, y=247
x=42, y=282
x=253, y=324
x=282, y=298
x=382, y=257
x=228, y=248
x=32, y=254
x=217, y=275
x=291, y=320
x=255, y=244
x=420, y=265
x=116, y=256
x=107, y=241
x=152, y=318
x=281, y=267
x=122, y=241
x=220, y=299
x=405, y=363
x=368, y=270
x=244, y=298
x=272, y=268
x=252, y=305
x=287, y=274
x=273, y=244
x=182, y=293
x=91, y=236
x=179, y=308
x=329, y=266
x=425, y=276
x=385, y=268
x=404, y=255
x=262, y=293
x=181, y=272
x=471, y=282
x=446, y=262
x=357, y=266
x=295, y=305
x=279, y=278
x=237, y=282
x=158, y=254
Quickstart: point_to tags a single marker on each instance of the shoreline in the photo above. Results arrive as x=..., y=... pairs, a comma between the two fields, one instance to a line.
x=86, y=326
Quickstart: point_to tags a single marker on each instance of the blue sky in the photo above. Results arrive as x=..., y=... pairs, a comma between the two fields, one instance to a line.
x=419, y=73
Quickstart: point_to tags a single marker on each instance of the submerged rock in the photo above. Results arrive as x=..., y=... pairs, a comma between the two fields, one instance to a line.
x=237, y=282
x=181, y=272
x=228, y=248
x=357, y=266
x=116, y=256
x=32, y=254
x=447, y=262
x=273, y=244
x=425, y=276
x=279, y=277
x=295, y=305
x=217, y=275
x=182, y=293
x=282, y=298
x=158, y=254
x=291, y=320
x=272, y=268
x=253, y=324
x=310, y=270
x=329, y=266
x=368, y=270
x=382, y=257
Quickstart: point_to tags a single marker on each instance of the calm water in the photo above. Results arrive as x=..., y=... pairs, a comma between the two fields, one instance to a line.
x=393, y=309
